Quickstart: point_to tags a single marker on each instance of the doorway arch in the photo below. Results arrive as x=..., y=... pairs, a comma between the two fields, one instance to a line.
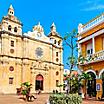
x=91, y=85
x=102, y=77
x=100, y=73
x=39, y=82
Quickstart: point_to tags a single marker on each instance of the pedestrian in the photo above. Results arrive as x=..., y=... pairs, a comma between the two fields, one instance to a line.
x=80, y=91
x=67, y=89
x=39, y=91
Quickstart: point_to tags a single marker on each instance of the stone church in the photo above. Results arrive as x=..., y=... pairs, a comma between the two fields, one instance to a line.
x=32, y=56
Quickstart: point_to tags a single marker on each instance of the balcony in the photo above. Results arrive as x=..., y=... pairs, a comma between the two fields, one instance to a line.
x=96, y=21
x=98, y=56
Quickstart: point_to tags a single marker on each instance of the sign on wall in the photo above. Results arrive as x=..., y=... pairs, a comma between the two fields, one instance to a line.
x=98, y=87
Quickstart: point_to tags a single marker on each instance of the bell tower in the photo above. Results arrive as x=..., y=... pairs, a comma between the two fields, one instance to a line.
x=56, y=41
x=11, y=23
x=11, y=11
x=54, y=36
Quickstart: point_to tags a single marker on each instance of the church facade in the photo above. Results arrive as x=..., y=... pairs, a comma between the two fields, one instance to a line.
x=29, y=57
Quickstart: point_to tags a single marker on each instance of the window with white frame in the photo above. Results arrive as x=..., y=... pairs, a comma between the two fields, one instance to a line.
x=89, y=49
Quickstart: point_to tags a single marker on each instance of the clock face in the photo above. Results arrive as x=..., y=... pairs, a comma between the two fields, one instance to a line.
x=39, y=52
x=39, y=34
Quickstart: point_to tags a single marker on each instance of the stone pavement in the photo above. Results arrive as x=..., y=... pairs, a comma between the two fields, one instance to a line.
x=15, y=99
x=41, y=99
x=92, y=102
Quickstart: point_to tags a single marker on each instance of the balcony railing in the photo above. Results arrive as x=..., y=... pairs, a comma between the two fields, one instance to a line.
x=98, y=56
x=94, y=22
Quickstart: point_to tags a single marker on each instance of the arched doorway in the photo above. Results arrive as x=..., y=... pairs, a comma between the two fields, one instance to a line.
x=91, y=85
x=102, y=77
x=39, y=82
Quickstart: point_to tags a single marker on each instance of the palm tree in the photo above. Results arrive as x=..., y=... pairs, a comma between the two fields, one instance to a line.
x=84, y=76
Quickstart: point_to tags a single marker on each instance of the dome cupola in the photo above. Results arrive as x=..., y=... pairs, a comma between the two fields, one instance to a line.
x=11, y=11
x=38, y=28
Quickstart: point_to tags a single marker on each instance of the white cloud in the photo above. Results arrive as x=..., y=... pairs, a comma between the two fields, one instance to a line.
x=97, y=7
x=91, y=5
x=86, y=3
x=89, y=2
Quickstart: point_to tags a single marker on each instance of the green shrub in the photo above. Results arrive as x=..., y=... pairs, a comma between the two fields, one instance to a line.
x=65, y=99
x=24, y=92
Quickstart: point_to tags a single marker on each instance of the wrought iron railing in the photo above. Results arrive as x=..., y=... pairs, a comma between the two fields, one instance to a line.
x=98, y=56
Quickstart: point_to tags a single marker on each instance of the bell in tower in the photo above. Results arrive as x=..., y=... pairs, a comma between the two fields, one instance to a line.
x=11, y=11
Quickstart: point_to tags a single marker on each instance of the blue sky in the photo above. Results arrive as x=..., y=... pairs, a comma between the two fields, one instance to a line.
x=66, y=14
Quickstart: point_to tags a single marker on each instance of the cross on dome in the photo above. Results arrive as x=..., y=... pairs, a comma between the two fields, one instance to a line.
x=39, y=23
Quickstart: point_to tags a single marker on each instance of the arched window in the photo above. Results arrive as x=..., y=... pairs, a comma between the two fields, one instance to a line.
x=57, y=59
x=54, y=41
x=57, y=54
x=57, y=83
x=15, y=29
x=57, y=73
x=59, y=42
x=9, y=27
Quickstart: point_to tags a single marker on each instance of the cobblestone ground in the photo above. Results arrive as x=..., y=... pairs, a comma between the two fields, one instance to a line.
x=41, y=99
x=92, y=102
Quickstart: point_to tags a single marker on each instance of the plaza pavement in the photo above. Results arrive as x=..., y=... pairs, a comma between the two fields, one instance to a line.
x=41, y=99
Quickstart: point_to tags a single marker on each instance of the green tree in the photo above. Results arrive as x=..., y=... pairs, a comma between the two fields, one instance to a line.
x=81, y=59
x=70, y=40
x=26, y=87
x=84, y=76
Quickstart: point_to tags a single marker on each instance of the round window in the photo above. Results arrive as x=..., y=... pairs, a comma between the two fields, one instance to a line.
x=39, y=52
x=11, y=50
x=11, y=68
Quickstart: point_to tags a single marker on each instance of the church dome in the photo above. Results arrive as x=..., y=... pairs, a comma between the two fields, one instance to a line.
x=38, y=28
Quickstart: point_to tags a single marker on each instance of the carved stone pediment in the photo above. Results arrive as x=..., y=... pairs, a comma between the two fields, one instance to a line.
x=39, y=65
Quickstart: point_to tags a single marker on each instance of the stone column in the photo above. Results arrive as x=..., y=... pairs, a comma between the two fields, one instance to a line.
x=93, y=45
